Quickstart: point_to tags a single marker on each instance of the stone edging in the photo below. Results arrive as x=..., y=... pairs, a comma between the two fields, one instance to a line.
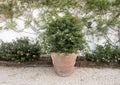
x=47, y=63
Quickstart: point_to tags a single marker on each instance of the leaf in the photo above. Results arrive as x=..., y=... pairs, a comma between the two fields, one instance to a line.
x=27, y=23
x=1, y=28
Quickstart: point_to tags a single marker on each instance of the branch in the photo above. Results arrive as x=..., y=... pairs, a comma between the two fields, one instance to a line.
x=109, y=40
x=32, y=27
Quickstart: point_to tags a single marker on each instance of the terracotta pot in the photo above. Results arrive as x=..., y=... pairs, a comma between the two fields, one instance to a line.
x=64, y=64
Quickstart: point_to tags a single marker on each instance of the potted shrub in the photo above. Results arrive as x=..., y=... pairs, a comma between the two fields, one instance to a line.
x=64, y=38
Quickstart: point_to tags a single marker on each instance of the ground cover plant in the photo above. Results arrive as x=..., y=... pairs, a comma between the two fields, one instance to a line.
x=104, y=53
x=20, y=50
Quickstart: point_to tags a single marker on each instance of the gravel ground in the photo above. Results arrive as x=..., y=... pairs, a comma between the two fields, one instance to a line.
x=47, y=76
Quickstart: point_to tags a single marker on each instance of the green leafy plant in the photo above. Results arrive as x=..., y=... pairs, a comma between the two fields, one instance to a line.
x=20, y=50
x=7, y=9
x=98, y=5
x=59, y=3
x=11, y=9
x=117, y=3
x=64, y=34
x=106, y=53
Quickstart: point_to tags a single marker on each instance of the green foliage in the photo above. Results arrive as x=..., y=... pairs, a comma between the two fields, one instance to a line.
x=7, y=9
x=117, y=3
x=20, y=50
x=10, y=24
x=59, y=3
x=64, y=34
x=98, y=5
x=1, y=28
x=105, y=53
x=11, y=9
x=28, y=1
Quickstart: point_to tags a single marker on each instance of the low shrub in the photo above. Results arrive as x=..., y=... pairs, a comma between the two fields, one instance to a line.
x=106, y=53
x=20, y=50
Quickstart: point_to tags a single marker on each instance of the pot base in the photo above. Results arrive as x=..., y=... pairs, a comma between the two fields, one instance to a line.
x=64, y=71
